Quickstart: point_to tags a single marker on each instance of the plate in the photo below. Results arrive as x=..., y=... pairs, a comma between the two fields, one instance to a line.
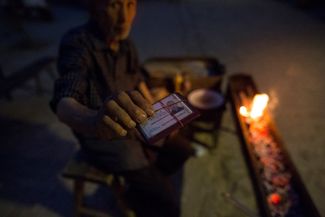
x=205, y=99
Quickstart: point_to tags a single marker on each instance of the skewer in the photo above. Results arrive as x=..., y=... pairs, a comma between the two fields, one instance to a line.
x=239, y=205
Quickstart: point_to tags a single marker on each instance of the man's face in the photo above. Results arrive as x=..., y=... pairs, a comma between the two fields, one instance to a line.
x=115, y=17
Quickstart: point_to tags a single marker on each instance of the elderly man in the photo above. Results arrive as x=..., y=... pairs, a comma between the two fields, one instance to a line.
x=98, y=96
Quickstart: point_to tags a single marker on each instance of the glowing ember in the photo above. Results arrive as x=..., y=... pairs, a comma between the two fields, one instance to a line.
x=257, y=108
x=274, y=199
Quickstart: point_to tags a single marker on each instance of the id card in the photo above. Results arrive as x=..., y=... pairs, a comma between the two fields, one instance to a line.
x=171, y=113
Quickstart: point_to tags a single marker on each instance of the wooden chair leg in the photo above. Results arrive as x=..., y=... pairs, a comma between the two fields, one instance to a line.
x=119, y=189
x=79, y=195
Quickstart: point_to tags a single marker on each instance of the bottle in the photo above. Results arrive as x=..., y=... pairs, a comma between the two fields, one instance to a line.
x=178, y=81
x=186, y=85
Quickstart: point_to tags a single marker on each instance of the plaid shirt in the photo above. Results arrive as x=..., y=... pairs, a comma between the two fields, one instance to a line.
x=90, y=72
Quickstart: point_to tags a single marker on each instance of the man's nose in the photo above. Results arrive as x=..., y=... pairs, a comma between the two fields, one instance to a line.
x=123, y=14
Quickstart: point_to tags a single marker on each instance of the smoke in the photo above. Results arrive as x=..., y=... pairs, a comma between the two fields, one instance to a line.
x=273, y=100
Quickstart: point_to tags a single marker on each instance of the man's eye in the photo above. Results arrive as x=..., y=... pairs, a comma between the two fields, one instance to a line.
x=114, y=5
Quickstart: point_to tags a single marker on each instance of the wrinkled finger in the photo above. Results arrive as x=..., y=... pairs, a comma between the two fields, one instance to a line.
x=141, y=102
x=133, y=110
x=114, y=110
x=117, y=128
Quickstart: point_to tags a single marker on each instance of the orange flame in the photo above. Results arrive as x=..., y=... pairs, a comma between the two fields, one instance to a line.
x=257, y=108
x=243, y=111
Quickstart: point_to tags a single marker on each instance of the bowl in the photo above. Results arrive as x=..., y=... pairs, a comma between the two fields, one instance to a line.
x=205, y=99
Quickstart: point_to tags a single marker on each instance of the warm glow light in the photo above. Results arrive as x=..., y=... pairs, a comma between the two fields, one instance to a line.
x=257, y=108
x=243, y=111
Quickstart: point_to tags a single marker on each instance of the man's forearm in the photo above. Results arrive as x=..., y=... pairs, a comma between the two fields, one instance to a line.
x=77, y=116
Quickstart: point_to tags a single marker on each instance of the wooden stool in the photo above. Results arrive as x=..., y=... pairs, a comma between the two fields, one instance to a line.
x=81, y=172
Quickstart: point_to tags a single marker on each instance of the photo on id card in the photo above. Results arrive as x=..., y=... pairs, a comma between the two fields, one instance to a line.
x=171, y=113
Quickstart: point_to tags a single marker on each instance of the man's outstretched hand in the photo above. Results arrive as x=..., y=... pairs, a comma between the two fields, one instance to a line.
x=118, y=115
x=121, y=113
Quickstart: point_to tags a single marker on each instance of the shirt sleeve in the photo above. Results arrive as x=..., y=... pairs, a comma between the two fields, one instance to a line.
x=72, y=68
